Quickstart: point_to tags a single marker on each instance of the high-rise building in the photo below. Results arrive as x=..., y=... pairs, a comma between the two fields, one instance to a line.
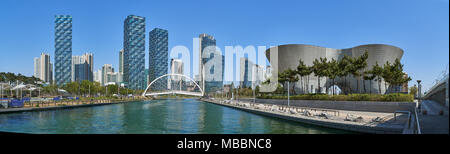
x=37, y=64
x=176, y=67
x=82, y=67
x=259, y=75
x=159, y=51
x=134, y=52
x=43, y=68
x=112, y=78
x=246, y=72
x=121, y=65
x=107, y=68
x=98, y=76
x=211, y=72
x=89, y=57
x=121, y=61
x=63, y=49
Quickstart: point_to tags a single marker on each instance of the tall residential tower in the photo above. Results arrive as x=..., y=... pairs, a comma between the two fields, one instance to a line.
x=134, y=52
x=63, y=49
x=43, y=68
x=211, y=64
x=83, y=67
x=159, y=52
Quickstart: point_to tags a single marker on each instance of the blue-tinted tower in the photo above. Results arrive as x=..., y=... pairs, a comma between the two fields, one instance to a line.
x=134, y=52
x=159, y=52
x=214, y=85
x=63, y=49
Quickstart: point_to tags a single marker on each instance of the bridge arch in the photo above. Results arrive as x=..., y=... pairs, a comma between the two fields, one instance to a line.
x=182, y=75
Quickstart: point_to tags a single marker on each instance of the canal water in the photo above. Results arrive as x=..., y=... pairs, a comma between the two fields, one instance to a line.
x=180, y=116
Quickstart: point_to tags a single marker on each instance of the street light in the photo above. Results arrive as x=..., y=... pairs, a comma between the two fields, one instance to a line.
x=419, y=96
x=288, y=91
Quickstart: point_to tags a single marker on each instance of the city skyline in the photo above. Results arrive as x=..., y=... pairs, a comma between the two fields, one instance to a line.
x=413, y=50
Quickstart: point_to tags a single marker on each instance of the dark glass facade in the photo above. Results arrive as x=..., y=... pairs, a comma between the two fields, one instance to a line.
x=134, y=52
x=159, y=52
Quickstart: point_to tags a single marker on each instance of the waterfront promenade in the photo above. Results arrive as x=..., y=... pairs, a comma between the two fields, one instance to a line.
x=63, y=104
x=357, y=121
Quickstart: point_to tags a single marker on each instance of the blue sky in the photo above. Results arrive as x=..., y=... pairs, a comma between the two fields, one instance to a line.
x=419, y=27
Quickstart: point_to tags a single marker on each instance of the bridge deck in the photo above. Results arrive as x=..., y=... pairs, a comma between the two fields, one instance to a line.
x=174, y=92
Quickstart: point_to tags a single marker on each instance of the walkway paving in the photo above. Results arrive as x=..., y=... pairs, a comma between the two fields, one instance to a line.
x=432, y=122
x=368, y=122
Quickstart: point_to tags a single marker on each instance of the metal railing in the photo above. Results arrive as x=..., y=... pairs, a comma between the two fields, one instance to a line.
x=417, y=124
x=409, y=117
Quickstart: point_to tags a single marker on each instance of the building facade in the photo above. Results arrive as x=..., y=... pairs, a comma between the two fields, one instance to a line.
x=121, y=65
x=176, y=67
x=289, y=56
x=134, y=52
x=246, y=73
x=43, y=68
x=82, y=67
x=211, y=65
x=98, y=76
x=106, y=69
x=63, y=49
x=158, y=56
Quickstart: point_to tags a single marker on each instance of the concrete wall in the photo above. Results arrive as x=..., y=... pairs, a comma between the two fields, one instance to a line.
x=439, y=93
x=387, y=107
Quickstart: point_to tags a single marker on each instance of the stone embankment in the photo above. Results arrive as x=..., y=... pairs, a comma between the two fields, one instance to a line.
x=66, y=105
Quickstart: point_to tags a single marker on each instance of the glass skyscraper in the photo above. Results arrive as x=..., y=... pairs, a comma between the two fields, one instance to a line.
x=134, y=52
x=63, y=49
x=159, y=52
x=211, y=84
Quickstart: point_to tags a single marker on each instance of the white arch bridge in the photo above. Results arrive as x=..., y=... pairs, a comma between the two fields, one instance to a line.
x=173, y=84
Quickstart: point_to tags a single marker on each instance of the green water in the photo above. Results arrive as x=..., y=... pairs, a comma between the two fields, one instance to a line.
x=187, y=116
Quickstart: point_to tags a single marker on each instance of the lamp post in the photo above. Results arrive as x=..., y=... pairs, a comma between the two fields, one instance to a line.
x=419, y=96
x=288, y=91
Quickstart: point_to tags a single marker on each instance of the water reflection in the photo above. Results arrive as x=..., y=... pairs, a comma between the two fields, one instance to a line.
x=155, y=117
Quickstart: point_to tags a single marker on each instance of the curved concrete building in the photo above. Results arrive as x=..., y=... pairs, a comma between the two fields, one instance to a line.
x=290, y=54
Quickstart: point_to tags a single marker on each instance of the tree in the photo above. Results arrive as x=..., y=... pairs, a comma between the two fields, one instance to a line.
x=413, y=90
x=11, y=77
x=280, y=89
x=51, y=89
x=112, y=89
x=344, y=66
x=387, y=74
x=398, y=77
x=377, y=72
x=303, y=70
x=72, y=88
x=85, y=86
x=319, y=68
x=292, y=78
x=358, y=65
x=332, y=72
x=257, y=90
x=97, y=88
x=368, y=75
